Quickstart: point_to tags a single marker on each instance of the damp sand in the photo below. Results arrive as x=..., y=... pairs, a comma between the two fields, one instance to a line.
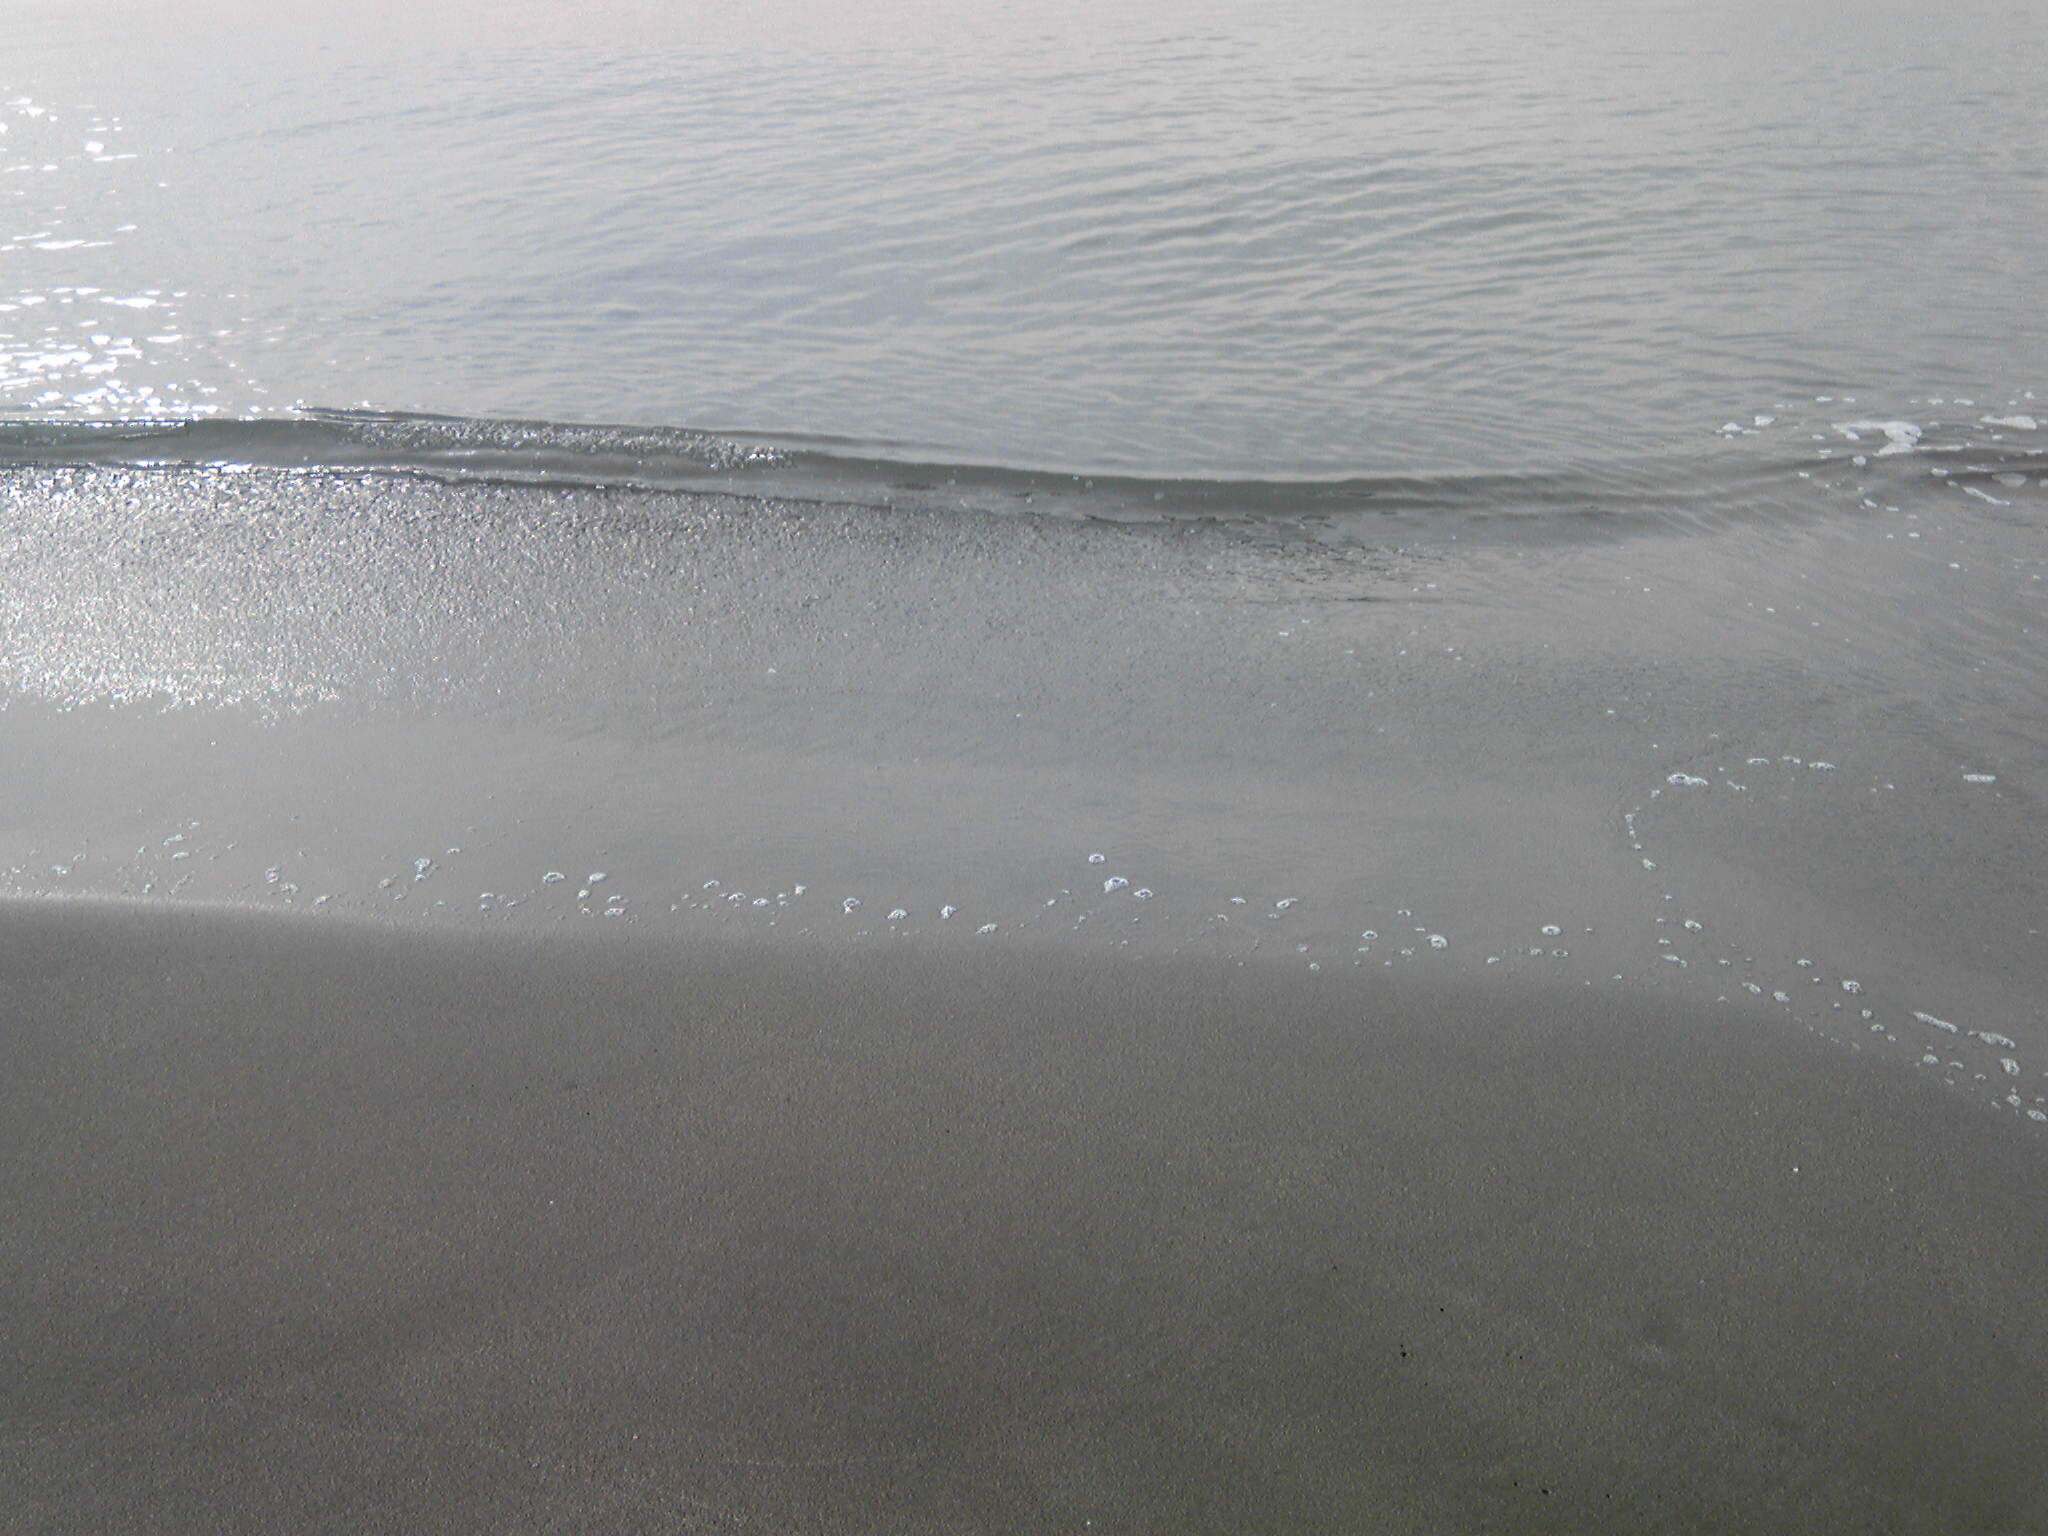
x=348, y=1226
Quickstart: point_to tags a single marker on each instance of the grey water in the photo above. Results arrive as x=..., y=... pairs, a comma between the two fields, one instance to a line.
x=1534, y=436
x=1474, y=242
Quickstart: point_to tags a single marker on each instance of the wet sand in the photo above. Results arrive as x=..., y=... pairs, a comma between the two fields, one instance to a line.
x=333, y=1226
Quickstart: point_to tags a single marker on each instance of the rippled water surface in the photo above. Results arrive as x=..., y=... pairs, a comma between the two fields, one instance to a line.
x=1298, y=238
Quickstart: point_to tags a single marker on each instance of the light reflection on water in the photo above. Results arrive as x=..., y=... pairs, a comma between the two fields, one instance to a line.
x=1283, y=239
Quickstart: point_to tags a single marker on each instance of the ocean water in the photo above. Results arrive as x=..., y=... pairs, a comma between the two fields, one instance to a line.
x=1476, y=485
x=1303, y=240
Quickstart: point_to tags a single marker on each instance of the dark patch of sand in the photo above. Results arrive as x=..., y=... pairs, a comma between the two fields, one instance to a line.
x=311, y=1226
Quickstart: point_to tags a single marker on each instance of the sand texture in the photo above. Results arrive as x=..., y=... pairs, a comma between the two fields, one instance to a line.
x=334, y=1227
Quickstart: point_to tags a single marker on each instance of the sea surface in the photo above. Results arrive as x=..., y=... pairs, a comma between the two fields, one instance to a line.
x=1476, y=484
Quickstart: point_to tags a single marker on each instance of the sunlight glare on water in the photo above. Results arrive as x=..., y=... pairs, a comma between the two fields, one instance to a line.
x=1300, y=238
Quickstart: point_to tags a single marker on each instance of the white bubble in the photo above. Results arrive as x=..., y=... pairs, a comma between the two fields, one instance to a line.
x=1096, y=858
x=1686, y=781
x=946, y=912
x=986, y=928
x=553, y=877
x=849, y=904
x=897, y=914
x=1284, y=903
x=2012, y=1068
x=1369, y=935
x=1143, y=893
x=596, y=877
x=1980, y=778
x=1551, y=930
x=1114, y=883
x=1438, y=941
x=1852, y=986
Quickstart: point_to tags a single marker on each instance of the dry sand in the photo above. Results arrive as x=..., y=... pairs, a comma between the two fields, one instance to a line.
x=323, y=1226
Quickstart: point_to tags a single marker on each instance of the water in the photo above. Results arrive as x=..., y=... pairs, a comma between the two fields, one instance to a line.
x=1558, y=487
x=1219, y=241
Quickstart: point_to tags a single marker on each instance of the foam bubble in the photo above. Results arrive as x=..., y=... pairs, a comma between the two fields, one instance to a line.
x=1900, y=436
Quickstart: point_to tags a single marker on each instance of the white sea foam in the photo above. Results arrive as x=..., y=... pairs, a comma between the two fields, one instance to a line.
x=1900, y=436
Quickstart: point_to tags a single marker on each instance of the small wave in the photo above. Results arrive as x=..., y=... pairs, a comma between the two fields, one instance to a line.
x=1591, y=498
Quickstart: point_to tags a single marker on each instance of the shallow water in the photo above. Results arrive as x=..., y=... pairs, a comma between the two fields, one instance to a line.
x=1792, y=765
